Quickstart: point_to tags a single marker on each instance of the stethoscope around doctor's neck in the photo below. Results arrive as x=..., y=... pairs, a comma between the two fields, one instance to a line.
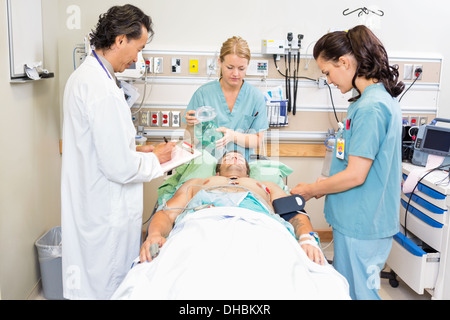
x=99, y=61
x=107, y=73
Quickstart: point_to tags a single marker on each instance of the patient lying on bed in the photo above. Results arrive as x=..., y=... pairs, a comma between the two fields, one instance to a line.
x=232, y=187
x=219, y=240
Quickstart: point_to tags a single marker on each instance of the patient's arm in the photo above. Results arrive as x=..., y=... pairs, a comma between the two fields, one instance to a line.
x=301, y=224
x=163, y=220
x=303, y=227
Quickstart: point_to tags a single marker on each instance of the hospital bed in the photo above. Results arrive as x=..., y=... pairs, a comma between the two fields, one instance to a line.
x=230, y=252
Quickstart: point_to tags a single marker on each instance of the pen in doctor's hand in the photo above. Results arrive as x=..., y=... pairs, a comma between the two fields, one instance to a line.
x=165, y=139
x=164, y=151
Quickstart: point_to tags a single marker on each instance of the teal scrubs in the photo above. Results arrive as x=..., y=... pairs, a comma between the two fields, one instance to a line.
x=249, y=113
x=370, y=211
x=360, y=262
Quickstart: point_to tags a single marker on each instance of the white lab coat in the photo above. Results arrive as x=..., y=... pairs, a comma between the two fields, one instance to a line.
x=101, y=185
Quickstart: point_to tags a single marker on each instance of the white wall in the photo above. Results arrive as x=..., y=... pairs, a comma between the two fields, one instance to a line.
x=407, y=27
x=29, y=163
x=202, y=25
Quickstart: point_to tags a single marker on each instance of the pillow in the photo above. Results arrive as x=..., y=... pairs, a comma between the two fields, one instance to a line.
x=270, y=170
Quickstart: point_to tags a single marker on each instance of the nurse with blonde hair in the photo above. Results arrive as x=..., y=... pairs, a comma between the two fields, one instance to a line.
x=240, y=107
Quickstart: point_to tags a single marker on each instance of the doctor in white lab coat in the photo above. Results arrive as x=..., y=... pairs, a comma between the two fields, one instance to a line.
x=102, y=173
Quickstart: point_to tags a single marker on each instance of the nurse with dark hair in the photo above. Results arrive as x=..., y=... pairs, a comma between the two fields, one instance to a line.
x=363, y=189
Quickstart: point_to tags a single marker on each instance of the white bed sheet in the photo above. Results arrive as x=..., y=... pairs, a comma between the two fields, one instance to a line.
x=231, y=253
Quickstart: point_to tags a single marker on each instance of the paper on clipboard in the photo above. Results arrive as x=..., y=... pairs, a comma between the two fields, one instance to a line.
x=181, y=154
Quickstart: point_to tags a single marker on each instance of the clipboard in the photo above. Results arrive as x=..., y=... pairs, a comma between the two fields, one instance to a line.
x=182, y=153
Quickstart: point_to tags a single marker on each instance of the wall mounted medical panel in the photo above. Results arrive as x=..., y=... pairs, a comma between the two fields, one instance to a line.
x=314, y=105
x=421, y=98
x=417, y=268
x=427, y=229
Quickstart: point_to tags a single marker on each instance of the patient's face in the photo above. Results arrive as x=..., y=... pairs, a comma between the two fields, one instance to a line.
x=233, y=158
x=233, y=164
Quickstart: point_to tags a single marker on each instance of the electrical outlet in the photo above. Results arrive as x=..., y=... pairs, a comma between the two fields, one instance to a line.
x=158, y=65
x=176, y=118
x=416, y=74
x=165, y=118
x=155, y=119
x=145, y=118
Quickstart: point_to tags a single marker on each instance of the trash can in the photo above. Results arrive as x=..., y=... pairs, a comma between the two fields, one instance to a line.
x=49, y=248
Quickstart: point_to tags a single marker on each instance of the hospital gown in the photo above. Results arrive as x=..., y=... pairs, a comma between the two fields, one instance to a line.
x=217, y=198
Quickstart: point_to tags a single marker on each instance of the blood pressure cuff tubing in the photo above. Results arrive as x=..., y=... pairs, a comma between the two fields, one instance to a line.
x=288, y=207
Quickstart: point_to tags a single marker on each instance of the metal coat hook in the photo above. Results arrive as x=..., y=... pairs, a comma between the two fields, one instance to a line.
x=363, y=10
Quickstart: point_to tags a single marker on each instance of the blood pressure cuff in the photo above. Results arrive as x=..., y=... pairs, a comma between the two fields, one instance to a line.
x=288, y=207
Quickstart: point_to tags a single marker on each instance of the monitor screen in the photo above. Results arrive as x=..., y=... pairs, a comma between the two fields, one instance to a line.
x=437, y=140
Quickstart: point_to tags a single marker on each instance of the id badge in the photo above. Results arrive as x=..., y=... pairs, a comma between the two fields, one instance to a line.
x=340, y=147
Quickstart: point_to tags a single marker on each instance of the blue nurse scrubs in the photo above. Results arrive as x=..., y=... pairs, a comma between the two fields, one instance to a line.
x=365, y=218
x=249, y=114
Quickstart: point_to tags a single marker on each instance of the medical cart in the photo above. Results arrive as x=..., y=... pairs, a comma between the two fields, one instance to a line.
x=420, y=251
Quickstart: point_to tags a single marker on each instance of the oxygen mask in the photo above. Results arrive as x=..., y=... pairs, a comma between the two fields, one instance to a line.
x=206, y=130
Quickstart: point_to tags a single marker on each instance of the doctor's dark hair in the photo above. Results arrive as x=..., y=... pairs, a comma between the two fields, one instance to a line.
x=370, y=54
x=120, y=20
